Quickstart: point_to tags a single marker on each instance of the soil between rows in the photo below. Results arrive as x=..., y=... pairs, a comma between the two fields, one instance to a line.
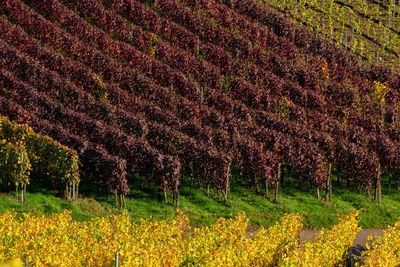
x=359, y=242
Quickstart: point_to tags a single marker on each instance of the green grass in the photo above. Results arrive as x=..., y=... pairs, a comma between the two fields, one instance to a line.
x=203, y=210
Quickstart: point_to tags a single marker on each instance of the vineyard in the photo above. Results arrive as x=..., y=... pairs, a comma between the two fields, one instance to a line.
x=173, y=242
x=367, y=28
x=109, y=92
x=164, y=89
x=23, y=151
x=172, y=99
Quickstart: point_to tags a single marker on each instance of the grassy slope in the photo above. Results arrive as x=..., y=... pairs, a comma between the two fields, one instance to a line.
x=203, y=210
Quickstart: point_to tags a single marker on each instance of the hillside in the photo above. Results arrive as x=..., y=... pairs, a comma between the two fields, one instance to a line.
x=170, y=89
x=203, y=210
x=367, y=28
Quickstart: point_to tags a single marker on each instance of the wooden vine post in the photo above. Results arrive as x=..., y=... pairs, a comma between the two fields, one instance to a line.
x=277, y=183
x=116, y=197
x=175, y=196
x=117, y=259
x=73, y=191
x=328, y=196
x=23, y=193
x=226, y=190
x=165, y=194
x=378, y=187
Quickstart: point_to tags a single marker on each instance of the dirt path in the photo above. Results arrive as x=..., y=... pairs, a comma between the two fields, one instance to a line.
x=308, y=235
x=355, y=251
x=359, y=242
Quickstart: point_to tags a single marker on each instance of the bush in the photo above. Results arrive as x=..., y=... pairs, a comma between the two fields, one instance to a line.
x=15, y=165
x=49, y=158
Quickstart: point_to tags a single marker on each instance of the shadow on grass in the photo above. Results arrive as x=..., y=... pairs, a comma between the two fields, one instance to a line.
x=144, y=202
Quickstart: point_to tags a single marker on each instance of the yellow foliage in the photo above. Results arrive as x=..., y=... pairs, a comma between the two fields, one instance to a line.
x=13, y=263
x=102, y=93
x=58, y=240
x=385, y=251
x=99, y=82
x=283, y=108
x=328, y=248
x=152, y=45
x=325, y=68
x=379, y=92
x=345, y=116
x=225, y=243
x=47, y=156
x=269, y=245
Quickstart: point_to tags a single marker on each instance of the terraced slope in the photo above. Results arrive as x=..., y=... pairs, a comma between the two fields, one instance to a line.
x=167, y=88
x=368, y=28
